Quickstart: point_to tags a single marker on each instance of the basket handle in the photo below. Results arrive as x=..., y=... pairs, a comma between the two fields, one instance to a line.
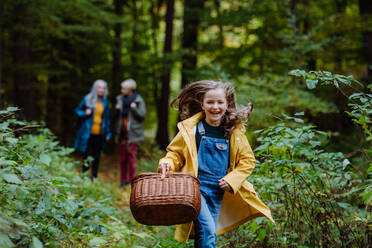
x=164, y=170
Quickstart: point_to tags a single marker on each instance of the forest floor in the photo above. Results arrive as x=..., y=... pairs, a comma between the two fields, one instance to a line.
x=109, y=172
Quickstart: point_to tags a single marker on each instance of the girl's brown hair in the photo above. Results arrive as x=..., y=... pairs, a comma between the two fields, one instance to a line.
x=188, y=102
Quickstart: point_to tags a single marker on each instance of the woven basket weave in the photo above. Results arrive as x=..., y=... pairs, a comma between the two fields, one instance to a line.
x=163, y=202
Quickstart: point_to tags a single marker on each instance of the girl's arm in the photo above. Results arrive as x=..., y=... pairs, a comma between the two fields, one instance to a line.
x=174, y=158
x=244, y=165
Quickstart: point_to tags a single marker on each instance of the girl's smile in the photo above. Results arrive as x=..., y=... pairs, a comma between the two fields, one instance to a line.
x=214, y=105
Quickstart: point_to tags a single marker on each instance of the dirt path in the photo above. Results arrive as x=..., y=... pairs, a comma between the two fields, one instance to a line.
x=109, y=172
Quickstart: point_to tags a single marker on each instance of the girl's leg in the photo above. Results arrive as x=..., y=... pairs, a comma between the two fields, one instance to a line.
x=132, y=153
x=205, y=227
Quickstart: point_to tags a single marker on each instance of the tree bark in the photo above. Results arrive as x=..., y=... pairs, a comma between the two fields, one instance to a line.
x=162, y=135
x=135, y=49
x=365, y=10
x=155, y=18
x=25, y=94
x=221, y=38
x=116, y=52
x=1, y=52
x=191, y=22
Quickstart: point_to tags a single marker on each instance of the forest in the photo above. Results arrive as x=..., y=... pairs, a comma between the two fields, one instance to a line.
x=305, y=65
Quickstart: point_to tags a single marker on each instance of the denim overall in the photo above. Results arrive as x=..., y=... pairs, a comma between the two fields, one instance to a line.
x=213, y=159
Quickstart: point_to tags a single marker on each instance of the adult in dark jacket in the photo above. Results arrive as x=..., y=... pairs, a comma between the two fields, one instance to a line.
x=95, y=128
x=132, y=111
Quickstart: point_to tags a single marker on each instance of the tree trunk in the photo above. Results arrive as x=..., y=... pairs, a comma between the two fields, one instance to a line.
x=221, y=38
x=191, y=21
x=116, y=51
x=135, y=50
x=1, y=54
x=365, y=10
x=25, y=95
x=310, y=57
x=155, y=18
x=162, y=135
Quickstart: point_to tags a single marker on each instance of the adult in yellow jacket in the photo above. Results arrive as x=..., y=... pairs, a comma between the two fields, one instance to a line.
x=239, y=205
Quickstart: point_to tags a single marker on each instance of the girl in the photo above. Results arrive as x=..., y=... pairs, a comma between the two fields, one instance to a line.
x=211, y=145
x=95, y=127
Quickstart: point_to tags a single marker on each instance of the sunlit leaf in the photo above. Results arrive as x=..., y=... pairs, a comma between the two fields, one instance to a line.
x=45, y=159
x=11, y=178
x=36, y=243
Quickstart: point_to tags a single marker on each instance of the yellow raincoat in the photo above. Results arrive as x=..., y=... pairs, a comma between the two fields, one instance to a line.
x=236, y=208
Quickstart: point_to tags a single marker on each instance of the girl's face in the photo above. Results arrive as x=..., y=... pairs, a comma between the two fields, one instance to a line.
x=214, y=105
x=101, y=88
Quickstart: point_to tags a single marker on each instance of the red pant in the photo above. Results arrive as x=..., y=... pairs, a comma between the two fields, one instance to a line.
x=128, y=153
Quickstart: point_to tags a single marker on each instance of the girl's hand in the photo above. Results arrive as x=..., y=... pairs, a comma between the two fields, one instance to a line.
x=164, y=170
x=224, y=185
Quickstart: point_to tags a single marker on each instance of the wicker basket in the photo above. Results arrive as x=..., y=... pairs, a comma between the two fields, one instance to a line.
x=172, y=200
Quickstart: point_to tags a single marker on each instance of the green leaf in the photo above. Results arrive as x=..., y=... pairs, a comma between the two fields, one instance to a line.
x=36, y=243
x=45, y=159
x=7, y=162
x=19, y=223
x=311, y=83
x=298, y=120
x=11, y=178
x=5, y=242
x=12, y=109
x=12, y=141
x=97, y=241
x=298, y=73
x=3, y=148
x=142, y=235
x=262, y=235
x=345, y=163
x=344, y=205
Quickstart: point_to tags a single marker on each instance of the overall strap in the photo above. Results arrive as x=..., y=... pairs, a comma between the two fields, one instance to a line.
x=201, y=129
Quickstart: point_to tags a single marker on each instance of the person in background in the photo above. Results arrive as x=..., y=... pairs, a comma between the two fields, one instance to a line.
x=132, y=111
x=211, y=144
x=95, y=127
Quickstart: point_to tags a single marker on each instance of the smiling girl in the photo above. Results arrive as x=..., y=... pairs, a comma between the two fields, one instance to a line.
x=211, y=145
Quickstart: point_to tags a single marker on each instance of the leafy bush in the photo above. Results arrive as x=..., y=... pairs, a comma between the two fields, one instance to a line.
x=44, y=201
x=318, y=198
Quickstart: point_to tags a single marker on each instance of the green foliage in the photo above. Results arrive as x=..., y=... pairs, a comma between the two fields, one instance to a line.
x=315, y=196
x=273, y=95
x=360, y=105
x=44, y=202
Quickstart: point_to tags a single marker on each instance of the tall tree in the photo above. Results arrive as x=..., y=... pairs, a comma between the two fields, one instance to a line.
x=135, y=41
x=1, y=54
x=23, y=81
x=365, y=10
x=116, y=50
x=191, y=22
x=162, y=134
